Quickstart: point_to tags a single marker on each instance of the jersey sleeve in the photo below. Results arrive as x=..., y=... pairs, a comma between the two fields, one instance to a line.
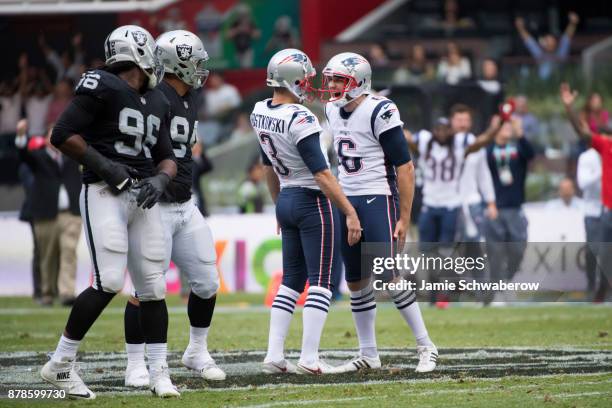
x=303, y=123
x=98, y=84
x=384, y=117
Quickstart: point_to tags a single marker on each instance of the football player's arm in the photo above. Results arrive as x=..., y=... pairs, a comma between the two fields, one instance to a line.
x=271, y=177
x=486, y=137
x=312, y=155
x=395, y=147
x=80, y=114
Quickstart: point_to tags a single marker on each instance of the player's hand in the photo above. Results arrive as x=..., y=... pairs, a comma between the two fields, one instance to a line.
x=401, y=230
x=151, y=190
x=567, y=95
x=354, y=229
x=491, y=211
x=120, y=177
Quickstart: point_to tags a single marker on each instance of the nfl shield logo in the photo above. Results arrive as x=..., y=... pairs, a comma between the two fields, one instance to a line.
x=183, y=51
x=139, y=37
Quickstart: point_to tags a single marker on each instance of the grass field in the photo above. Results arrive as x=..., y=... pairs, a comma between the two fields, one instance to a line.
x=557, y=355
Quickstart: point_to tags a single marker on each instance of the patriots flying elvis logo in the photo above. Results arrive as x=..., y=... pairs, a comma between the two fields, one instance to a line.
x=386, y=115
x=303, y=117
x=139, y=37
x=351, y=63
x=183, y=51
x=295, y=58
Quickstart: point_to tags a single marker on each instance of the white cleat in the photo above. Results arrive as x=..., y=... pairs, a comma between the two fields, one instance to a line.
x=360, y=363
x=280, y=367
x=428, y=358
x=65, y=376
x=136, y=375
x=319, y=368
x=205, y=367
x=161, y=385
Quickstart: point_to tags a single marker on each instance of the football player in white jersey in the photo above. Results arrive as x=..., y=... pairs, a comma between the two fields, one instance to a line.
x=303, y=188
x=377, y=175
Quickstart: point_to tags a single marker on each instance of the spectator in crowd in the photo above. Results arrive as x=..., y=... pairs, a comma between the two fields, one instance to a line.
x=252, y=192
x=531, y=124
x=243, y=32
x=173, y=21
x=454, y=67
x=508, y=158
x=452, y=18
x=377, y=56
x=602, y=143
x=201, y=166
x=595, y=115
x=589, y=176
x=55, y=213
x=489, y=81
x=68, y=65
x=243, y=129
x=567, y=197
x=10, y=107
x=37, y=103
x=61, y=97
x=220, y=101
x=25, y=214
x=548, y=55
x=283, y=36
x=476, y=184
x=415, y=69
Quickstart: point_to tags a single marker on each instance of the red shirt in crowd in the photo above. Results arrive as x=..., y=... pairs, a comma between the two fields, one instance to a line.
x=603, y=145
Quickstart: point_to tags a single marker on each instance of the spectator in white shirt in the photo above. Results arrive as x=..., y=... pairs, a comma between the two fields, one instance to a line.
x=589, y=175
x=567, y=197
x=220, y=101
x=454, y=67
x=37, y=106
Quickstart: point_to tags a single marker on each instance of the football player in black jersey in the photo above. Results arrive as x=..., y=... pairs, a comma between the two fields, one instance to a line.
x=117, y=127
x=189, y=242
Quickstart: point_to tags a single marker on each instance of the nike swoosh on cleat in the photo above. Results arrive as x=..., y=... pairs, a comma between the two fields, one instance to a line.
x=317, y=371
x=283, y=369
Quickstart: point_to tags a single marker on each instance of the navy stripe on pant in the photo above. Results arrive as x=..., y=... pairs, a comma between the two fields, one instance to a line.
x=378, y=215
x=310, y=238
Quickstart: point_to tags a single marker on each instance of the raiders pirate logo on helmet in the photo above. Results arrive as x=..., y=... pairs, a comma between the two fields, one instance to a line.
x=139, y=37
x=183, y=51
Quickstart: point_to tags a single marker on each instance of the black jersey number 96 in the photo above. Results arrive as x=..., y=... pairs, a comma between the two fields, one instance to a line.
x=132, y=125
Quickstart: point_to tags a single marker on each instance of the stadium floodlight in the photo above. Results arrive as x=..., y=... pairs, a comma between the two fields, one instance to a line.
x=8, y=7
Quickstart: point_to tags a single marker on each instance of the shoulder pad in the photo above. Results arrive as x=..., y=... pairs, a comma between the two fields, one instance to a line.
x=99, y=84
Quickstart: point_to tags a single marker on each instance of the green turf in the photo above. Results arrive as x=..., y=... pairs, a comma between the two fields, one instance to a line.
x=238, y=326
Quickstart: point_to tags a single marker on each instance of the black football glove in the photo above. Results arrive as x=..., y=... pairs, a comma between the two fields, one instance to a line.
x=151, y=190
x=118, y=176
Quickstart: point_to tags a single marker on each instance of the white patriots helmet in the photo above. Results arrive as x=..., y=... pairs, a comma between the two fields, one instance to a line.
x=291, y=69
x=356, y=73
x=134, y=44
x=182, y=54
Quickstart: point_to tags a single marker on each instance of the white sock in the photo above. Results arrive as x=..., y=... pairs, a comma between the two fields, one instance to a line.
x=66, y=349
x=314, y=315
x=363, y=306
x=406, y=303
x=135, y=353
x=280, y=319
x=156, y=355
x=198, y=343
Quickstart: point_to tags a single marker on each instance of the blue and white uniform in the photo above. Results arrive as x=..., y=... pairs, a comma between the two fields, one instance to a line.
x=369, y=143
x=289, y=138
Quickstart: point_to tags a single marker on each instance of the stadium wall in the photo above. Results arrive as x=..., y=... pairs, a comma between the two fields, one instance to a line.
x=248, y=249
